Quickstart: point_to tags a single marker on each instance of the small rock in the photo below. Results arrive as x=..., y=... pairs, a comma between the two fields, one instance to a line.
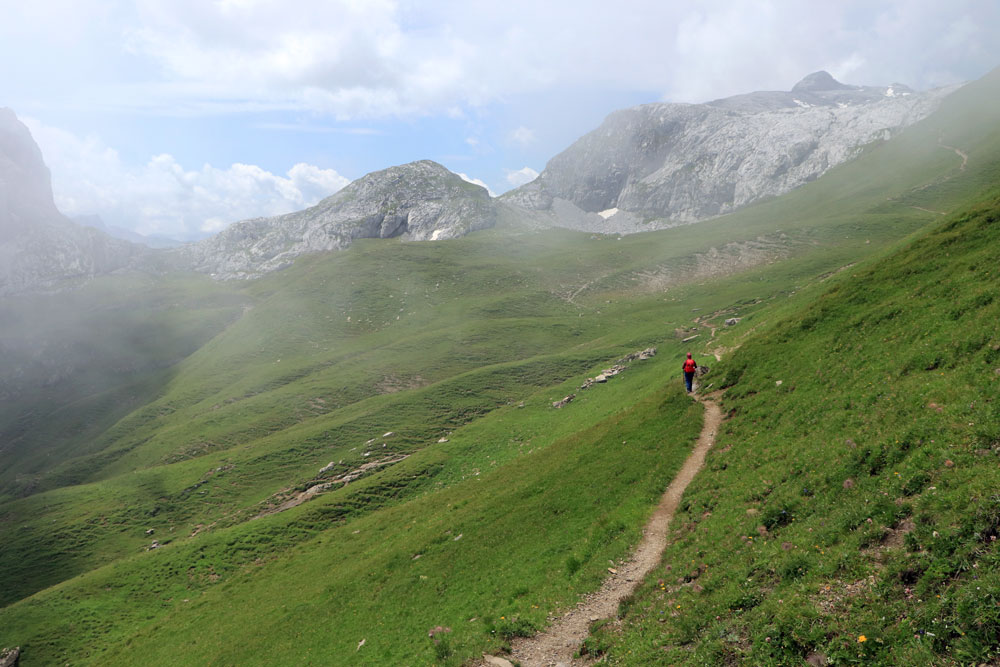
x=149, y=531
x=777, y=383
x=689, y=338
x=389, y=434
x=442, y=439
x=9, y=656
x=848, y=483
x=948, y=463
x=360, y=644
x=497, y=662
x=564, y=401
x=612, y=570
x=815, y=659
x=733, y=321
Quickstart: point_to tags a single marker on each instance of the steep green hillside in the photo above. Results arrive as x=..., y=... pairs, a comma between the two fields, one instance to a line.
x=76, y=362
x=408, y=388
x=849, y=510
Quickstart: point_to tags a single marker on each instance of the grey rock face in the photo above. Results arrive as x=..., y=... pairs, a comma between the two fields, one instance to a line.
x=38, y=245
x=419, y=201
x=659, y=165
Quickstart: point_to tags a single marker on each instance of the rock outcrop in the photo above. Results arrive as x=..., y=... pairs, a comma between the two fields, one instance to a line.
x=9, y=657
x=660, y=165
x=420, y=201
x=39, y=247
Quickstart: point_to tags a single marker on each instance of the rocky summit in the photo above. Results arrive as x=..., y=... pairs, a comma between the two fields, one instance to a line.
x=420, y=201
x=659, y=165
x=38, y=245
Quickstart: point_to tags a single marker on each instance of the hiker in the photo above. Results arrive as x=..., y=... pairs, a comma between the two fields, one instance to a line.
x=689, y=367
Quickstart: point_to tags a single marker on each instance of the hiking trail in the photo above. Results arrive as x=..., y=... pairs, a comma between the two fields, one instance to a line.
x=556, y=645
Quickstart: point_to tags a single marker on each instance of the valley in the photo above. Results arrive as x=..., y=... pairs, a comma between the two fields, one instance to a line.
x=401, y=393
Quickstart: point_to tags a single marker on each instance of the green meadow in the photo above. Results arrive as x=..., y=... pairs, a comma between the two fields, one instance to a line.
x=851, y=493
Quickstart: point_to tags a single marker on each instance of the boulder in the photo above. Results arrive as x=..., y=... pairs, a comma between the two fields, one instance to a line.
x=9, y=657
x=564, y=401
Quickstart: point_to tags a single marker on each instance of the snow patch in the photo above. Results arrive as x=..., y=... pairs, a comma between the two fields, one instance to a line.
x=804, y=105
x=889, y=92
x=607, y=213
x=437, y=234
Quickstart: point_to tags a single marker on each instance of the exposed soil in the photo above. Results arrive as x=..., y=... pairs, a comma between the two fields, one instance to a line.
x=561, y=640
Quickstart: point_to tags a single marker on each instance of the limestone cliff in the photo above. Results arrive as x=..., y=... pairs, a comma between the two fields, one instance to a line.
x=658, y=165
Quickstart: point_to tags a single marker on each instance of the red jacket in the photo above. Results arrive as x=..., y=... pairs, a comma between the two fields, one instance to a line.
x=689, y=365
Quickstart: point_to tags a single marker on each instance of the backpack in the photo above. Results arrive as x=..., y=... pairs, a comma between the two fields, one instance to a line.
x=689, y=365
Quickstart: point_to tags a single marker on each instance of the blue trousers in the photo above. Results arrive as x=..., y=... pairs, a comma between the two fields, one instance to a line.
x=688, y=380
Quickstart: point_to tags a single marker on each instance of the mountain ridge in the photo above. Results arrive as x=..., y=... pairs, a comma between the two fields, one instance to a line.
x=659, y=165
x=39, y=246
x=419, y=201
x=647, y=167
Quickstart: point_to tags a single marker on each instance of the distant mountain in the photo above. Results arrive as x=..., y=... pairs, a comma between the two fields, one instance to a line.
x=659, y=165
x=420, y=201
x=647, y=167
x=97, y=222
x=38, y=245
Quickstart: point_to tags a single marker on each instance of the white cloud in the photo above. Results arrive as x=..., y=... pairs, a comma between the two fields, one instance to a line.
x=522, y=136
x=476, y=181
x=162, y=197
x=521, y=176
x=384, y=58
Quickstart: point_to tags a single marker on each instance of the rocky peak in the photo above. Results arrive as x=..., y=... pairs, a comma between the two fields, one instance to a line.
x=39, y=247
x=660, y=165
x=25, y=184
x=818, y=81
x=419, y=201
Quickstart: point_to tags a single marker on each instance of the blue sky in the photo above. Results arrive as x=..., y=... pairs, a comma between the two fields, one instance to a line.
x=178, y=117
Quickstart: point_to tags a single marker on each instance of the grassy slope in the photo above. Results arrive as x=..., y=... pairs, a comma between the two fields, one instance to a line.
x=312, y=582
x=852, y=493
x=78, y=361
x=491, y=320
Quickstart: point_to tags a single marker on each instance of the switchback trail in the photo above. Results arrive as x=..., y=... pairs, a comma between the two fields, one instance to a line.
x=561, y=640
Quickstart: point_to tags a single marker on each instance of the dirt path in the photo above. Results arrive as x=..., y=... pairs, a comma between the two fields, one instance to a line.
x=560, y=641
x=959, y=152
x=921, y=208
